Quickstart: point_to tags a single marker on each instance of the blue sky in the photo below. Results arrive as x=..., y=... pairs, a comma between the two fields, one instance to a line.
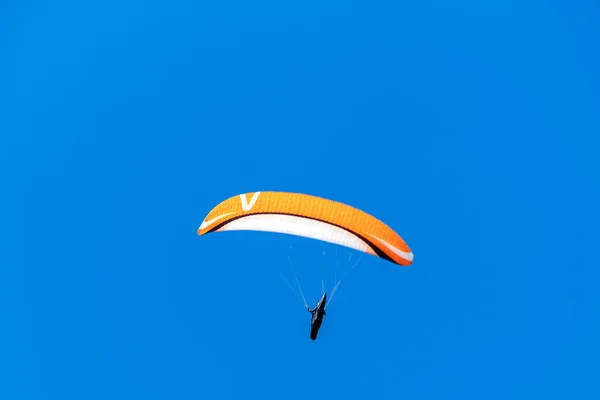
x=469, y=127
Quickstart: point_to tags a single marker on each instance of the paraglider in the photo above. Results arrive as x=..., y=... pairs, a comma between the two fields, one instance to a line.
x=317, y=317
x=311, y=217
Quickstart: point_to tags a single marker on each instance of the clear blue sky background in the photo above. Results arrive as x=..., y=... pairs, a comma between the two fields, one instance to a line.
x=470, y=127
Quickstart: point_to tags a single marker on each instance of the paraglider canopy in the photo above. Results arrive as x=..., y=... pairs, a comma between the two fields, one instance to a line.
x=311, y=217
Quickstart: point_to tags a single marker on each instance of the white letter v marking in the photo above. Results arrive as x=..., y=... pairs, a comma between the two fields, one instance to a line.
x=245, y=205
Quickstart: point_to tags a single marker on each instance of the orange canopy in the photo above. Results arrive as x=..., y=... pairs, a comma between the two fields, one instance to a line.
x=311, y=217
